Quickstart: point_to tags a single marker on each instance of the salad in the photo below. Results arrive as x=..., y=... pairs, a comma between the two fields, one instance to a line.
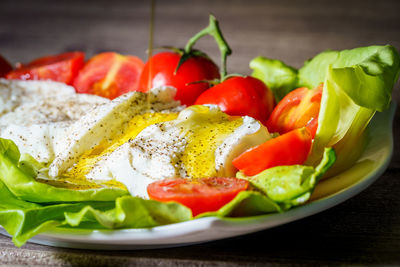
x=117, y=143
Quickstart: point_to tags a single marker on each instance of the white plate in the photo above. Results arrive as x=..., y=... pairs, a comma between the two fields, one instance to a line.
x=327, y=194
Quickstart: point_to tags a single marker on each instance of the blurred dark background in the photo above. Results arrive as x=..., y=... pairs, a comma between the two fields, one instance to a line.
x=290, y=30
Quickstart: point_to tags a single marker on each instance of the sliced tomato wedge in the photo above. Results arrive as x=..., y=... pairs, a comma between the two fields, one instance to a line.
x=5, y=67
x=200, y=195
x=60, y=68
x=288, y=149
x=297, y=109
x=109, y=75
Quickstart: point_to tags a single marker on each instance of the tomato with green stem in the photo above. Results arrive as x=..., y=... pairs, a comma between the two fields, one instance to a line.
x=200, y=195
x=60, y=68
x=288, y=149
x=184, y=68
x=237, y=94
x=161, y=70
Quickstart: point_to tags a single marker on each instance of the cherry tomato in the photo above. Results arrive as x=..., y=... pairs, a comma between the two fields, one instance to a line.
x=5, y=67
x=200, y=195
x=61, y=68
x=297, y=109
x=160, y=70
x=109, y=75
x=241, y=96
x=288, y=149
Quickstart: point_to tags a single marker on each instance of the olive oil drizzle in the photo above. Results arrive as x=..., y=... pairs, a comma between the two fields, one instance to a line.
x=150, y=48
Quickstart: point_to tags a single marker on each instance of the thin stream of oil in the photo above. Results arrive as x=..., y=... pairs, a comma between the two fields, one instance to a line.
x=150, y=50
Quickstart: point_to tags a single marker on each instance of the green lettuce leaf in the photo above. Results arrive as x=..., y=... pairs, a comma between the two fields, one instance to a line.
x=290, y=186
x=132, y=212
x=23, y=219
x=357, y=83
x=341, y=125
x=366, y=74
x=246, y=203
x=18, y=174
x=278, y=76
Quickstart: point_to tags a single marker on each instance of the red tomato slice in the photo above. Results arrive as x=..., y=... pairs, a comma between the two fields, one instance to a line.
x=200, y=195
x=160, y=71
x=297, y=109
x=61, y=68
x=288, y=149
x=241, y=96
x=5, y=67
x=109, y=75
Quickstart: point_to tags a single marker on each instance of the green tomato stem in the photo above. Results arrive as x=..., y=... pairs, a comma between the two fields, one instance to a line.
x=213, y=30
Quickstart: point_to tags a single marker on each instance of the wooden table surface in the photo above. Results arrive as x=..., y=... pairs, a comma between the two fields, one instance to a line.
x=362, y=230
